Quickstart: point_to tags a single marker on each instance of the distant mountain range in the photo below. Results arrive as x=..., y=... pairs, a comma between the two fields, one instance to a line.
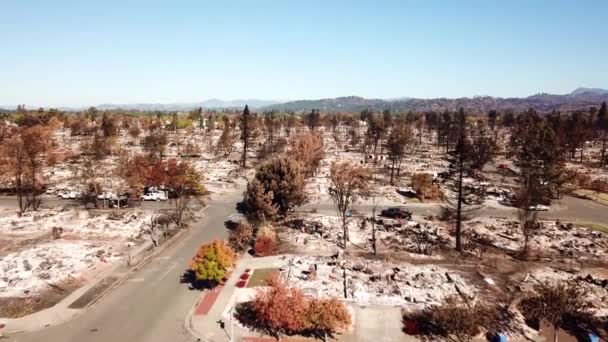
x=209, y=104
x=589, y=91
x=579, y=99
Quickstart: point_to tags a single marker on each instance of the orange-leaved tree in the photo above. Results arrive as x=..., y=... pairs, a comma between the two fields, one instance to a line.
x=184, y=181
x=327, y=316
x=280, y=310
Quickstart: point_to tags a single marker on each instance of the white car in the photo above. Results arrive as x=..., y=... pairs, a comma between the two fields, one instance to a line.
x=155, y=196
x=539, y=207
x=107, y=195
x=75, y=195
x=70, y=195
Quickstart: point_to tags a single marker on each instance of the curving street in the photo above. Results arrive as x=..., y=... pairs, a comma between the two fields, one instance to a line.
x=152, y=304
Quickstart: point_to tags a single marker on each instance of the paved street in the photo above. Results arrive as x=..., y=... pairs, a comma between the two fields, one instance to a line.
x=49, y=202
x=568, y=209
x=151, y=304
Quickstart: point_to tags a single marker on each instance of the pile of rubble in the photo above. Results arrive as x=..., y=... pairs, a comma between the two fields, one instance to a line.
x=552, y=237
x=44, y=265
x=317, y=232
x=375, y=282
x=595, y=284
x=75, y=224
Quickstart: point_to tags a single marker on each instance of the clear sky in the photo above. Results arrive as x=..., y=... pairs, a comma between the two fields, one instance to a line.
x=78, y=53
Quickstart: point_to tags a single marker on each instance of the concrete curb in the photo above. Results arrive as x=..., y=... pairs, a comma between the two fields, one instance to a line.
x=242, y=264
x=188, y=319
x=76, y=312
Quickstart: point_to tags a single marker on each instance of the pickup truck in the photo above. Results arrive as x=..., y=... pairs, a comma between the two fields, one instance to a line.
x=70, y=195
x=155, y=196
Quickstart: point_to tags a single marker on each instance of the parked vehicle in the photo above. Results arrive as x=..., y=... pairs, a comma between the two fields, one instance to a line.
x=70, y=194
x=117, y=201
x=155, y=196
x=107, y=195
x=406, y=191
x=538, y=207
x=396, y=212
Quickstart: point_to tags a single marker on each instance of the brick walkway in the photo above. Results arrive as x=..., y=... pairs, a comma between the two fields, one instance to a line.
x=206, y=304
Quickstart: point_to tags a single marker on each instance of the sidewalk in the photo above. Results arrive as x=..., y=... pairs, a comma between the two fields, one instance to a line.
x=367, y=325
x=80, y=299
x=113, y=275
x=60, y=312
x=207, y=326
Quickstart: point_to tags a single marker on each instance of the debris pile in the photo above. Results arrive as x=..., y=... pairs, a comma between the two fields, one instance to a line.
x=595, y=284
x=317, y=232
x=552, y=237
x=375, y=282
x=41, y=266
x=75, y=223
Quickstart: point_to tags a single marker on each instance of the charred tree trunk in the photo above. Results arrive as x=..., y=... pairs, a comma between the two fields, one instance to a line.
x=459, y=207
x=19, y=189
x=392, y=171
x=602, y=160
x=345, y=229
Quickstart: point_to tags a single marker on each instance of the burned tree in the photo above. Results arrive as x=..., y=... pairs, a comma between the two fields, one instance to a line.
x=483, y=147
x=227, y=138
x=247, y=125
x=563, y=305
x=14, y=165
x=396, y=144
x=307, y=148
x=460, y=167
x=313, y=120
x=348, y=182
x=527, y=217
x=156, y=145
x=375, y=133
x=602, y=128
x=36, y=143
x=376, y=197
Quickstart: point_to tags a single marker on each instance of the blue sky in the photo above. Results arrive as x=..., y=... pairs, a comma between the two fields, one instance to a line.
x=79, y=53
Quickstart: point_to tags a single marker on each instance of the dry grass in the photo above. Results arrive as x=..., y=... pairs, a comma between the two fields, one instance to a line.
x=261, y=276
x=601, y=197
x=600, y=227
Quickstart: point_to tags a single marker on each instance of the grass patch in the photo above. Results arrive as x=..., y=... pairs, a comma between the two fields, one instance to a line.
x=94, y=292
x=601, y=227
x=260, y=277
x=601, y=197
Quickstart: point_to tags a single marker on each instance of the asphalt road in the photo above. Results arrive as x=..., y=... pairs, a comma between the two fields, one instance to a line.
x=49, y=202
x=152, y=304
x=567, y=209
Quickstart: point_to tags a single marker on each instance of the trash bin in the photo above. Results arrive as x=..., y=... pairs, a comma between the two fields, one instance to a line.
x=499, y=337
x=411, y=327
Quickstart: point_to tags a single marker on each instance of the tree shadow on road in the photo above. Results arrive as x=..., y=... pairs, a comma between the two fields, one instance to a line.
x=189, y=277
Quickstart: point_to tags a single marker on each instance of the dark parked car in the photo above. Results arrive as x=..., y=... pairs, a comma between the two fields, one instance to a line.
x=396, y=212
